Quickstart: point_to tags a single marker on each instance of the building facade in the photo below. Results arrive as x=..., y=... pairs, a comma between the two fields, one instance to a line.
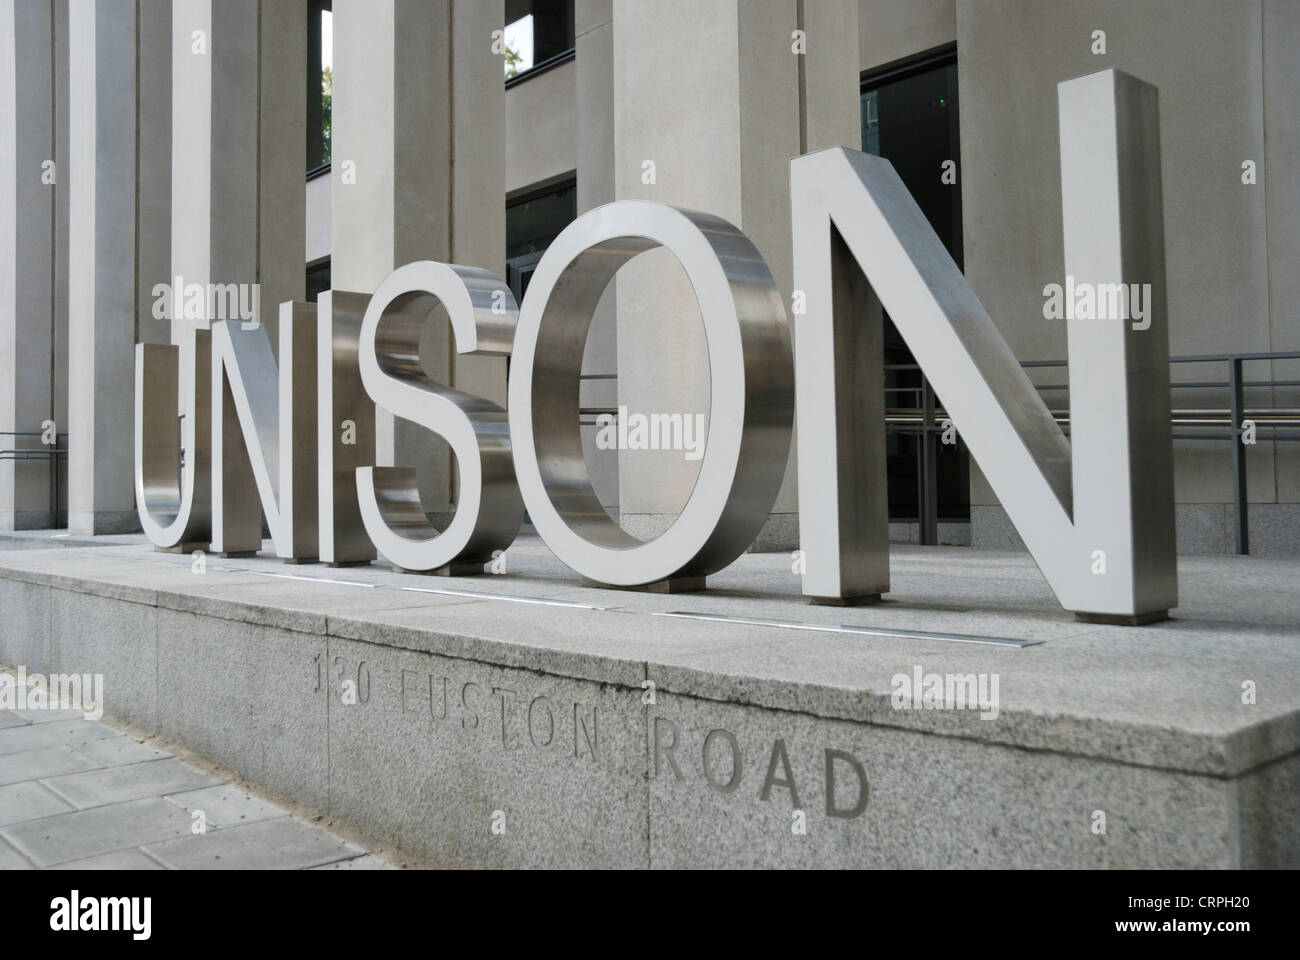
x=294, y=146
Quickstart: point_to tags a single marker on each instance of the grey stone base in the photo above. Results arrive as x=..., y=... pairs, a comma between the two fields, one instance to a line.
x=951, y=534
x=24, y=519
x=97, y=523
x=466, y=730
x=991, y=529
x=779, y=534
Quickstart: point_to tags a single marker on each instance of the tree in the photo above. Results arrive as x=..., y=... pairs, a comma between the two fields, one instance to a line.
x=326, y=110
x=513, y=59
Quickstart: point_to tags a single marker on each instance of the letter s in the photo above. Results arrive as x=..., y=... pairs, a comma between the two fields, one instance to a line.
x=490, y=510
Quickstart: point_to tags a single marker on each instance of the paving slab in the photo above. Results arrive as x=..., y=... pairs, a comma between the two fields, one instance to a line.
x=129, y=782
x=131, y=859
x=115, y=751
x=47, y=761
x=29, y=800
x=51, y=716
x=87, y=833
x=11, y=859
x=368, y=862
x=285, y=843
x=57, y=733
x=226, y=805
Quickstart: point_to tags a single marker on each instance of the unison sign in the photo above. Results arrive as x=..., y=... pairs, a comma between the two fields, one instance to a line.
x=1096, y=510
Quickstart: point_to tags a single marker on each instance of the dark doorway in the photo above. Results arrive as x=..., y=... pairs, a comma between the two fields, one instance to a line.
x=910, y=117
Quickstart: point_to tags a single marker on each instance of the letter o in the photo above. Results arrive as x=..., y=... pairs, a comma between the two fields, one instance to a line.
x=751, y=381
x=550, y=720
x=737, y=763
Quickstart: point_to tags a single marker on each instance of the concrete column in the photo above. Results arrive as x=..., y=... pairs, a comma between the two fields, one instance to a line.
x=282, y=196
x=29, y=265
x=1274, y=527
x=238, y=142
x=62, y=156
x=708, y=118
x=478, y=169
x=154, y=179
x=594, y=61
x=238, y=195
x=418, y=172
x=389, y=201
x=112, y=251
x=214, y=144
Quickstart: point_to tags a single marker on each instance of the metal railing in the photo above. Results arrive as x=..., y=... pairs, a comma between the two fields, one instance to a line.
x=50, y=454
x=1231, y=422
x=925, y=420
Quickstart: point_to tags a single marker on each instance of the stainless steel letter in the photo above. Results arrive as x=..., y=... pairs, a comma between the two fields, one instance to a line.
x=345, y=427
x=750, y=377
x=1114, y=496
x=173, y=440
x=264, y=436
x=489, y=511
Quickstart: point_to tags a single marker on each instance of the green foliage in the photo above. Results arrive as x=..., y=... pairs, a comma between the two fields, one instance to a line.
x=513, y=59
x=327, y=111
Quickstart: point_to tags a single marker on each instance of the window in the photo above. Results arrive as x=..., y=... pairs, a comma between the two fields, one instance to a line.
x=911, y=120
x=320, y=83
x=538, y=34
x=318, y=279
x=909, y=116
x=871, y=122
x=532, y=222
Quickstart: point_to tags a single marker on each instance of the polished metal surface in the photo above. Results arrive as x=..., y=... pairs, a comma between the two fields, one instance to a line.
x=1113, y=229
x=750, y=380
x=840, y=383
x=173, y=469
x=345, y=427
x=1098, y=523
x=264, y=435
x=489, y=512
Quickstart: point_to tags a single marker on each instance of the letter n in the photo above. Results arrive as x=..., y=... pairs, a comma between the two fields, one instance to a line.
x=264, y=436
x=1109, y=486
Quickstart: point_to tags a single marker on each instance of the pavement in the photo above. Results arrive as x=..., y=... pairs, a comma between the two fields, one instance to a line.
x=79, y=794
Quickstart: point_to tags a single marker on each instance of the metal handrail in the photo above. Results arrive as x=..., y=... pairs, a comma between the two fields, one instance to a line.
x=52, y=454
x=1270, y=424
x=1186, y=423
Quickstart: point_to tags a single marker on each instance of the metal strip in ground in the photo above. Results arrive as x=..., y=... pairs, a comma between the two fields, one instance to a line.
x=505, y=596
x=864, y=631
